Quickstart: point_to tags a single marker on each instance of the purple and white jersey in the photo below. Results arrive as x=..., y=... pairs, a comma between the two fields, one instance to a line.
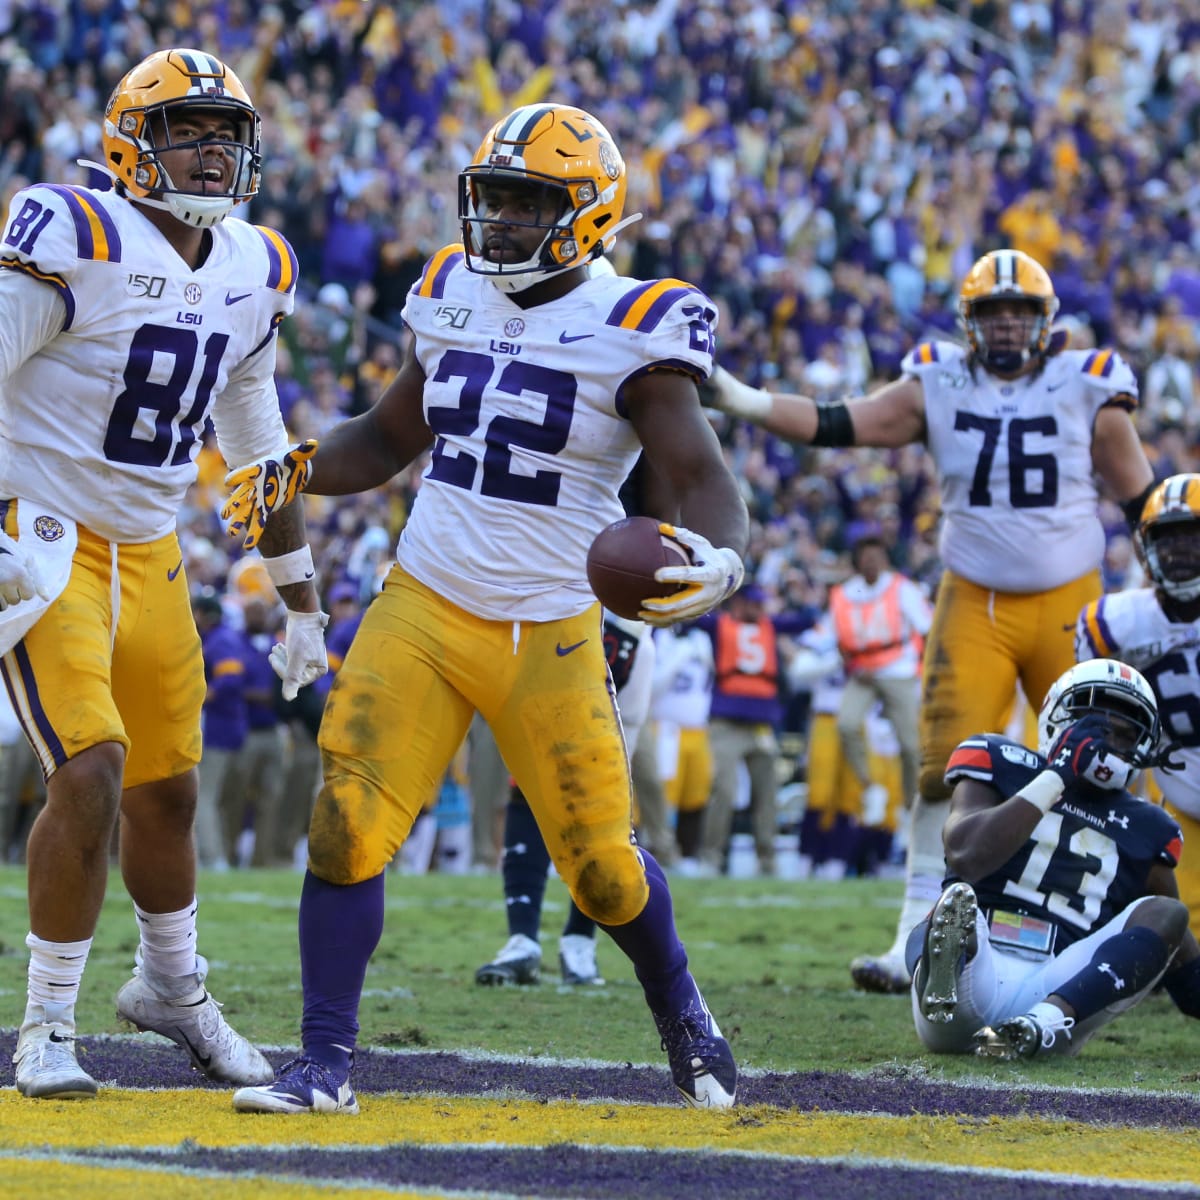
x=531, y=436
x=114, y=353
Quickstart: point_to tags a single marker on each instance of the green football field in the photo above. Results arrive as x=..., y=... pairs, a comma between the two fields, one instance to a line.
x=771, y=957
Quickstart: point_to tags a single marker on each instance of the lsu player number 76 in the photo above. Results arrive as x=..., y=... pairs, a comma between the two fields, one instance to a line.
x=1019, y=427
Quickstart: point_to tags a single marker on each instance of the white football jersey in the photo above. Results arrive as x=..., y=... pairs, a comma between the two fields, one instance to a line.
x=531, y=439
x=1014, y=463
x=1132, y=627
x=684, y=676
x=102, y=419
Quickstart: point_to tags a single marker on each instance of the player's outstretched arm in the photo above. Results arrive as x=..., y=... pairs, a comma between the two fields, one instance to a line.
x=357, y=455
x=893, y=415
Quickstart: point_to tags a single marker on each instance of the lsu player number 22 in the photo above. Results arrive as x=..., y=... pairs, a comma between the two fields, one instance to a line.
x=131, y=316
x=1018, y=428
x=536, y=384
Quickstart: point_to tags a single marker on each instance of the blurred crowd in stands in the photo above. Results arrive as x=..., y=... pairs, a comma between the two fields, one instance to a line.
x=826, y=170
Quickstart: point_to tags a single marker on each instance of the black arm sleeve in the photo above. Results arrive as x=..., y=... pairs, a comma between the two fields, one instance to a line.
x=1133, y=508
x=834, y=426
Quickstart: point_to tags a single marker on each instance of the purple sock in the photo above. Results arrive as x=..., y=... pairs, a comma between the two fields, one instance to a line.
x=813, y=838
x=650, y=942
x=340, y=926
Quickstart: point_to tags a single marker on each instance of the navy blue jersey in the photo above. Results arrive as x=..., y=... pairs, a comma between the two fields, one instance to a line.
x=1086, y=859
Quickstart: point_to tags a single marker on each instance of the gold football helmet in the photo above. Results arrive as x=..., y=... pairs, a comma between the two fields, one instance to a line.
x=1168, y=537
x=570, y=154
x=136, y=131
x=1007, y=275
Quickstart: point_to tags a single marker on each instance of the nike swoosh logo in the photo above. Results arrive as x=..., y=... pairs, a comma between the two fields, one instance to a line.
x=174, y=571
x=55, y=1036
x=563, y=651
x=204, y=1061
x=567, y=338
x=235, y=299
x=1053, y=387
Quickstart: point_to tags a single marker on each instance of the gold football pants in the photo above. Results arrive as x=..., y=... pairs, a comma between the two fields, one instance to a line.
x=116, y=658
x=400, y=707
x=981, y=643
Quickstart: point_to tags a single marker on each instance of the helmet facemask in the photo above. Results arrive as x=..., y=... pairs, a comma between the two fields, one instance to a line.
x=1168, y=537
x=1173, y=559
x=1015, y=337
x=1013, y=340
x=483, y=193
x=149, y=130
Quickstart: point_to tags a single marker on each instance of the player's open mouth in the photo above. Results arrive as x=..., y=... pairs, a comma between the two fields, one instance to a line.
x=210, y=179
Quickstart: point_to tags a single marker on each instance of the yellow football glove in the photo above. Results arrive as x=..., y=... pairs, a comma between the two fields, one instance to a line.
x=261, y=488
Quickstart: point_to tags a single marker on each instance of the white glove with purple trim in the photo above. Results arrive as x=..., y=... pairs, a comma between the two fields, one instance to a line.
x=300, y=657
x=716, y=572
x=19, y=576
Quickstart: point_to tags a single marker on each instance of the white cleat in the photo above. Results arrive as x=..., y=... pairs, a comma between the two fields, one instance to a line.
x=303, y=1086
x=577, y=960
x=194, y=1021
x=45, y=1061
x=949, y=943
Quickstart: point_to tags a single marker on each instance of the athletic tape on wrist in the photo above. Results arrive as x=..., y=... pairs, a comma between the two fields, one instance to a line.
x=295, y=567
x=1043, y=791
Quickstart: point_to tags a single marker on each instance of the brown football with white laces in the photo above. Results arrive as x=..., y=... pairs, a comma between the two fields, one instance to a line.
x=622, y=560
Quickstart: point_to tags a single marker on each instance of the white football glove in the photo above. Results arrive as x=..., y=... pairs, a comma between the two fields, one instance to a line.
x=300, y=657
x=259, y=488
x=716, y=572
x=19, y=576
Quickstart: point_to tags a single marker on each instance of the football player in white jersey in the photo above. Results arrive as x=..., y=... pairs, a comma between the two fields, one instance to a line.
x=127, y=318
x=1157, y=630
x=1018, y=428
x=537, y=385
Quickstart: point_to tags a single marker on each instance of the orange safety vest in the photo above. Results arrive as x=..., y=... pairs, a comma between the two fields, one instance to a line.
x=747, y=659
x=870, y=633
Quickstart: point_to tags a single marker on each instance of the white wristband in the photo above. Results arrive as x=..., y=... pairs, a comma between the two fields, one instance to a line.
x=1042, y=791
x=739, y=399
x=295, y=567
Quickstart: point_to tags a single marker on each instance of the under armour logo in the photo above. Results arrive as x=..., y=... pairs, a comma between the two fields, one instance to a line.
x=1122, y=821
x=1118, y=982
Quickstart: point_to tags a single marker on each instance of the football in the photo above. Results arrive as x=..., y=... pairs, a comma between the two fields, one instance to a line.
x=622, y=560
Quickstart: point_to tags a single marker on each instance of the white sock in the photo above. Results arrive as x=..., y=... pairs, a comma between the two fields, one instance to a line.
x=168, y=941
x=55, y=972
x=925, y=864
x=416, y=853
x=1047, y=1014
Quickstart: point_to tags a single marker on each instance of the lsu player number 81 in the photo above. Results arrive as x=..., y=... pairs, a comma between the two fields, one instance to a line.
x=142, y=312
